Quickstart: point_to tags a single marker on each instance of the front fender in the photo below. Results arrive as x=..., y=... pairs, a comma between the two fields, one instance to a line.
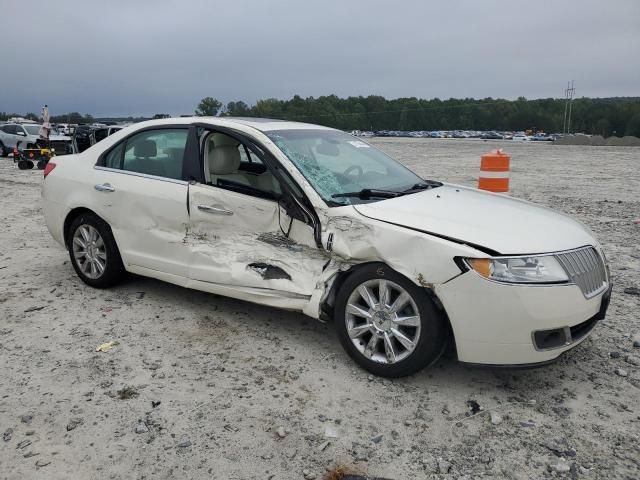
x=424, y=259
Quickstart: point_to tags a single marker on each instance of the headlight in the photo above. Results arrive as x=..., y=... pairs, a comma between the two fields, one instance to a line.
x=534, y=269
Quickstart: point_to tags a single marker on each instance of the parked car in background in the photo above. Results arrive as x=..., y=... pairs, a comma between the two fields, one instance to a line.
x=28, y=135
x=12, y=133
x=543, y=137
x=491, y=136
x=65, y=129
x=311, y=219
x=84, y=136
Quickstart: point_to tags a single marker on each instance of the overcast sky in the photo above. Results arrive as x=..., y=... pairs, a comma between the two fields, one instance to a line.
x=119, y=57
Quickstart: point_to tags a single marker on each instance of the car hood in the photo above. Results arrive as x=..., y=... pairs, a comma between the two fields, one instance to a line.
x=492, y=221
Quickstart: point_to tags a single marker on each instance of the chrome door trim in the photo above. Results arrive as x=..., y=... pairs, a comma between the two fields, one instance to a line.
x=143, y=175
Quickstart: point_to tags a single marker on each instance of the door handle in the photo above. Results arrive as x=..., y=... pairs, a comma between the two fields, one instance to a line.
x=215, y=210
x=104, y=187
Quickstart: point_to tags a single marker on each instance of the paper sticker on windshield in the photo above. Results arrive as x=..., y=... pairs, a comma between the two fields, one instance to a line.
x=359, y=144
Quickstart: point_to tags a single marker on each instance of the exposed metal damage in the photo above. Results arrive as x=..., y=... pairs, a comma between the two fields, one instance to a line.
x=268, y=272
x=277, y=239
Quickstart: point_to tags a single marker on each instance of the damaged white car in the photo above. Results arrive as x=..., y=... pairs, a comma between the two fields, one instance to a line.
x=312, y=219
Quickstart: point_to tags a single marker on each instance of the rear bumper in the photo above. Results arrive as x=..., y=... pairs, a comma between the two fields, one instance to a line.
x=500, y=325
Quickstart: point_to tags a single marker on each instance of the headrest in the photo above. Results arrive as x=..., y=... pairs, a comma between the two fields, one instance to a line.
x=223, y=156
x=145, y=148
x=222, y=140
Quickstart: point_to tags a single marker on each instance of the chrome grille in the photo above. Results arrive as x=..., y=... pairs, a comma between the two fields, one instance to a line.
x=586, y=269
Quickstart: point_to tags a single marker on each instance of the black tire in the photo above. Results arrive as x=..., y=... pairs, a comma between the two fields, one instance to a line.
x=4, y=152
x=114, y=270
x=42, y=163
x=432, y=337
x=25, y=164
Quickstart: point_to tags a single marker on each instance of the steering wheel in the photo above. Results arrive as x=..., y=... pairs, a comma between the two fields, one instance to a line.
x=353, y=168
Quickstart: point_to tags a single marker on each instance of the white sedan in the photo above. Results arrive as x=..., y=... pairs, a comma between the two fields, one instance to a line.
x=311, y=219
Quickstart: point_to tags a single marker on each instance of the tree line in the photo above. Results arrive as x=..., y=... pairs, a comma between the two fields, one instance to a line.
x=617, y=116
x=71, y=117
x=604, y=116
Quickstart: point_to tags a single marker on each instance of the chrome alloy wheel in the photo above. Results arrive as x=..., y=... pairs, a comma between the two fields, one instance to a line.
x=89, y=251
x=382, y=321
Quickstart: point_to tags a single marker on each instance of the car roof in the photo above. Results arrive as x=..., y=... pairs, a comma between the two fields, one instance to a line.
x=261, y=124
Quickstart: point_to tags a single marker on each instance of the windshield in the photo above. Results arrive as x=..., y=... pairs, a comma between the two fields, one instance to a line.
x=32, y=129
x=334, y=163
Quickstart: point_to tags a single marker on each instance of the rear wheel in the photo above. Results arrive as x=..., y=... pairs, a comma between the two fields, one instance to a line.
x=4, y=151
x=387, y=324
x=93, y=251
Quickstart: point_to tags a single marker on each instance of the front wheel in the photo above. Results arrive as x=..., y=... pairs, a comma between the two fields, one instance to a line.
x=387, y=324
x=93, y=251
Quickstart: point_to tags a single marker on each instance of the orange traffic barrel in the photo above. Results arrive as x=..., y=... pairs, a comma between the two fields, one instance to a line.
x=494, y=172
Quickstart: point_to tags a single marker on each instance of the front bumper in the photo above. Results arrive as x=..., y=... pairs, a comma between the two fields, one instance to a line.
x=495, y=323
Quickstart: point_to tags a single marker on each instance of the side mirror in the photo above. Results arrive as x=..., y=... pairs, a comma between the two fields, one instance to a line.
x=21, y=133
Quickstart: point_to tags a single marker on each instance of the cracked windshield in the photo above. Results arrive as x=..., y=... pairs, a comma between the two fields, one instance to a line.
x=340, y=166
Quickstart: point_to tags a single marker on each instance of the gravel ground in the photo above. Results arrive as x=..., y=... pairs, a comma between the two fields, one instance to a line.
x=200, y=386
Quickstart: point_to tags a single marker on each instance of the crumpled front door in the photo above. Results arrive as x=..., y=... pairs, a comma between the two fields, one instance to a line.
x=237, y=240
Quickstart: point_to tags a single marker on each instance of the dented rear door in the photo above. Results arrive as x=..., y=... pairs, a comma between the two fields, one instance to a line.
x=236, y=239
x=148, y=217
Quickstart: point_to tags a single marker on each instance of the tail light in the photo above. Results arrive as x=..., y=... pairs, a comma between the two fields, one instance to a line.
x=49, y=168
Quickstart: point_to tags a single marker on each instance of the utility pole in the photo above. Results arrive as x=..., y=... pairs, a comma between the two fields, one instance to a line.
x=568, y=101
x=566, y=107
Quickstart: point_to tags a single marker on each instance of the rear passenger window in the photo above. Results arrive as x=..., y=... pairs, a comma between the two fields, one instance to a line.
x=156, y=152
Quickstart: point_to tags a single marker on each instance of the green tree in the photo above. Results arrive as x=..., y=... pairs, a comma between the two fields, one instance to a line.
x=237, y=109
x=270, y=108
x=633, y=126
x=208, y=107
x=603, y=127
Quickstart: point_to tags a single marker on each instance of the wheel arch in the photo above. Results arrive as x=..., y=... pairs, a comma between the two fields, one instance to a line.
x=113, y=261
x=75, y=213
x=327, y=305
x=71, y=216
